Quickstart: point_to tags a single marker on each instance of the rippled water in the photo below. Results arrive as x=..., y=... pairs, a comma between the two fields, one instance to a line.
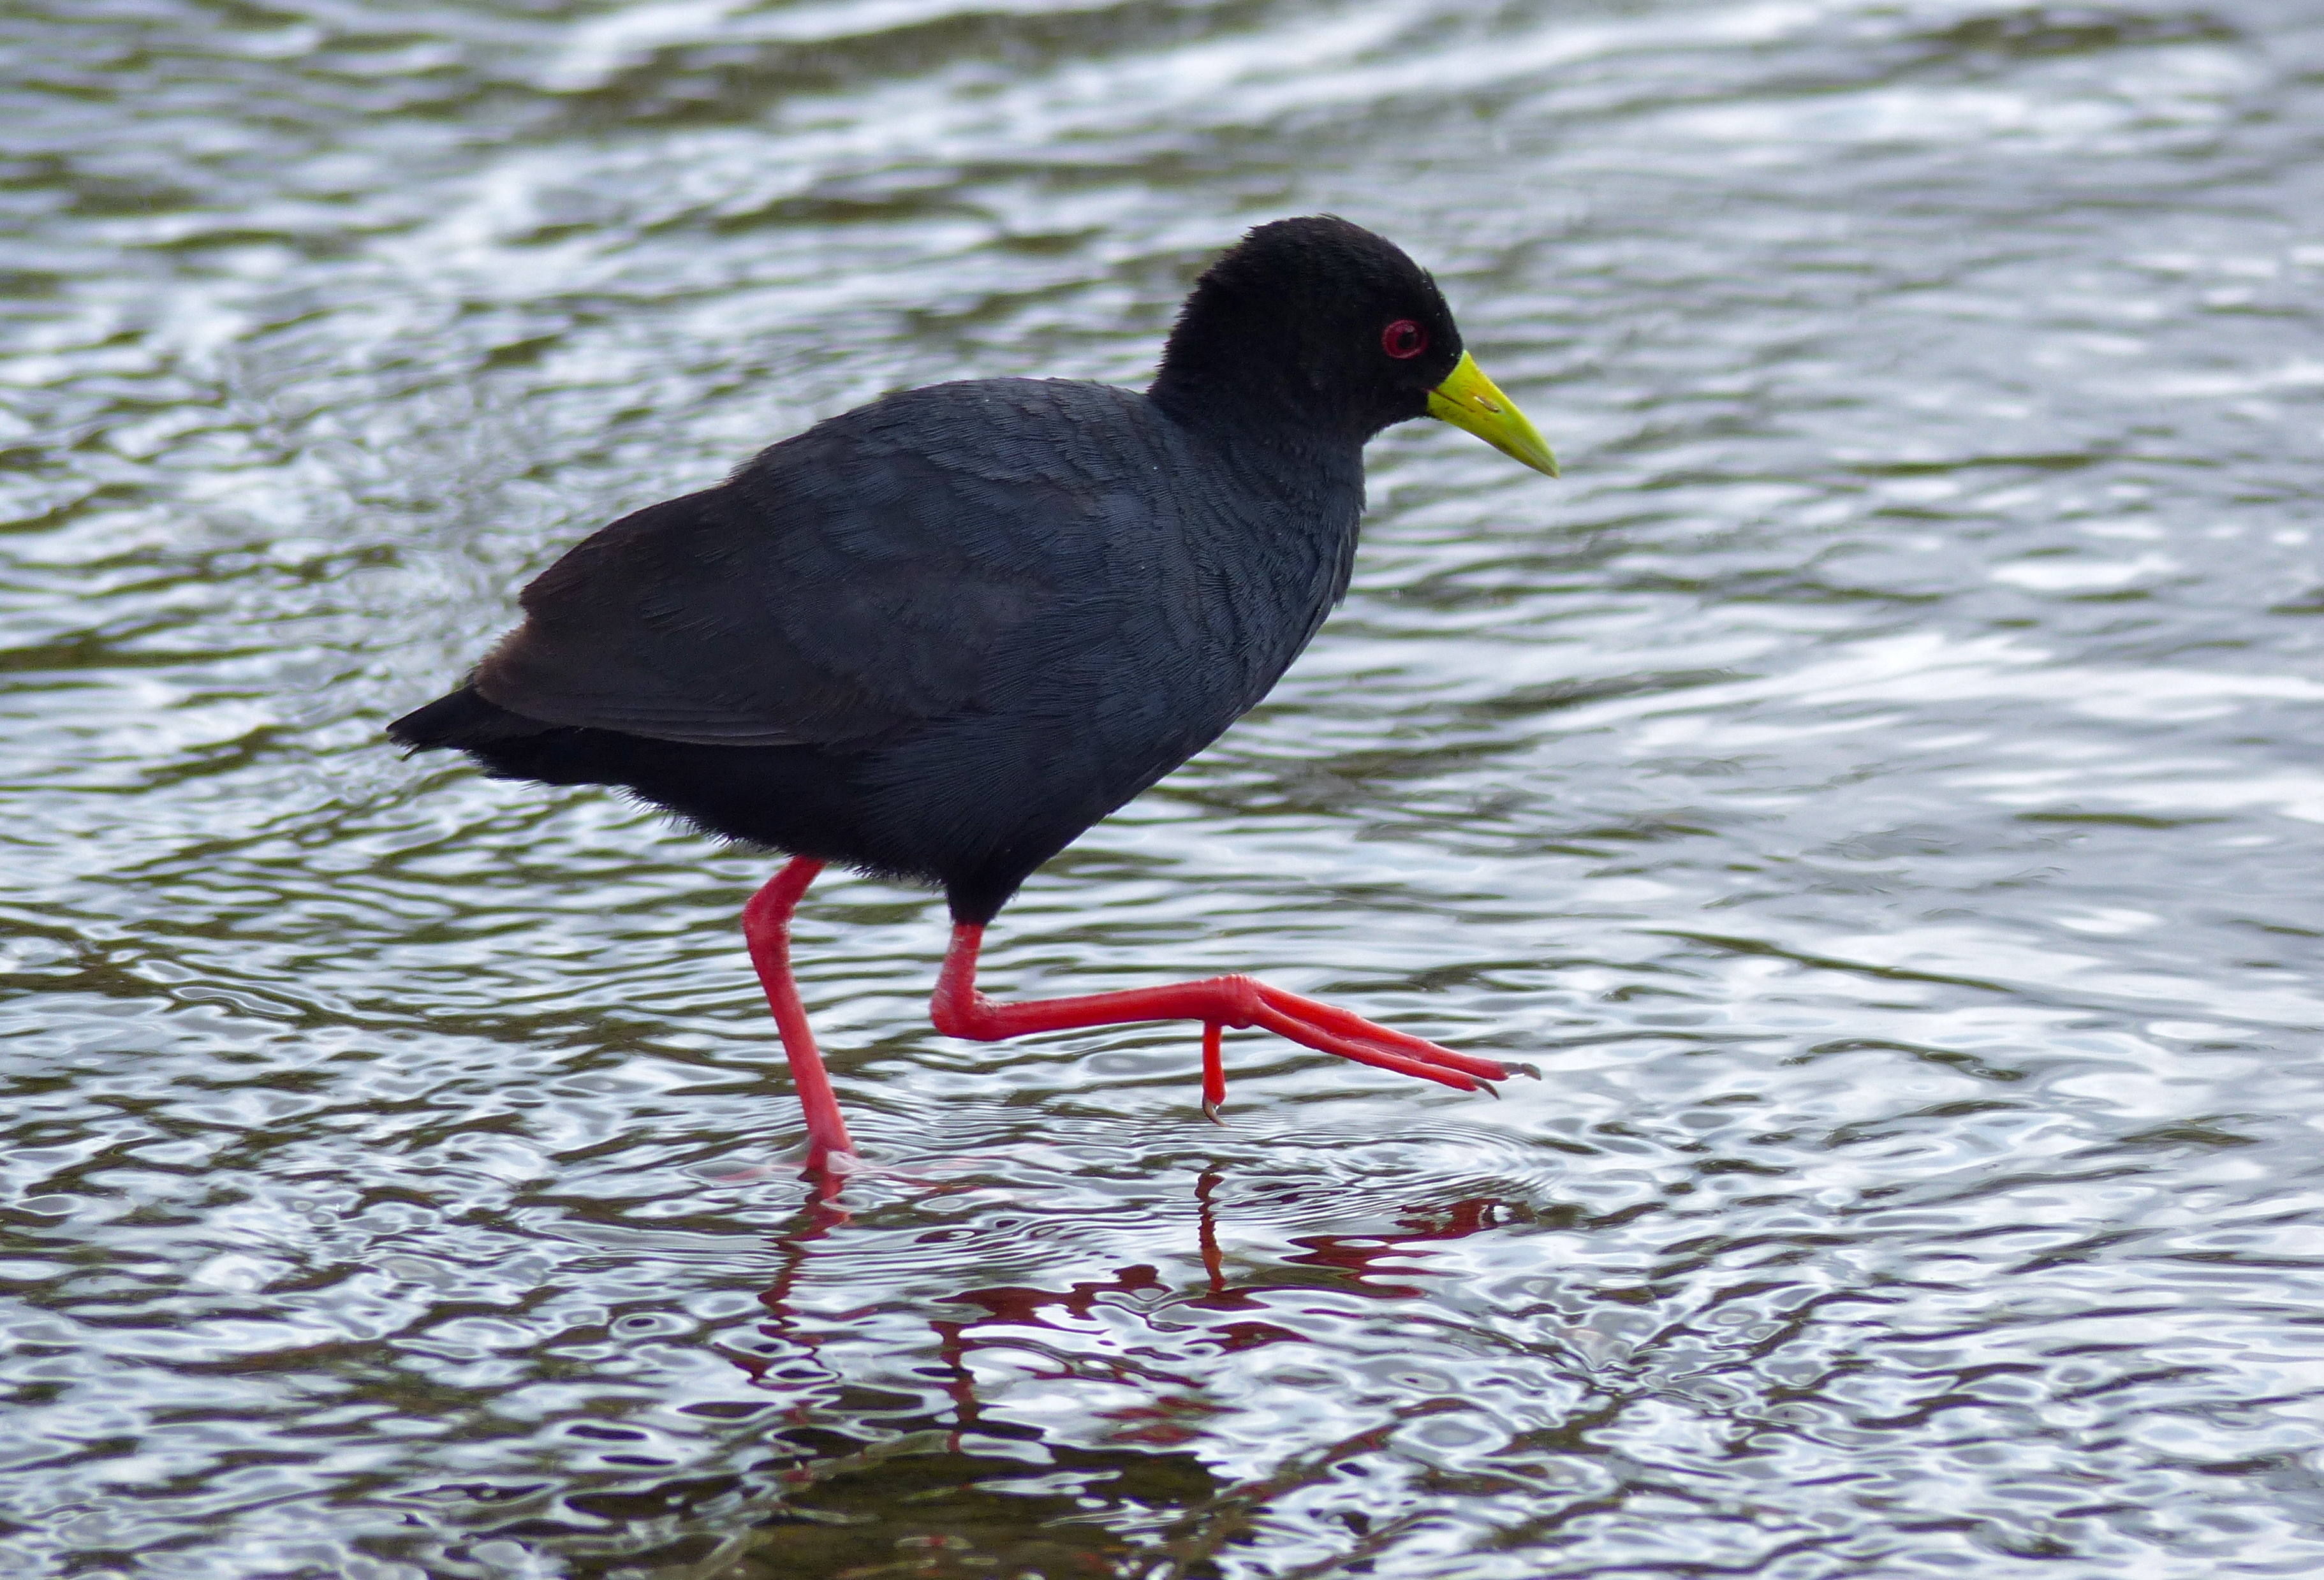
x=1876, y=788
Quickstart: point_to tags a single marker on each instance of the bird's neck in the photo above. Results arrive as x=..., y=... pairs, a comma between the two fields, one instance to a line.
x=1255, y=418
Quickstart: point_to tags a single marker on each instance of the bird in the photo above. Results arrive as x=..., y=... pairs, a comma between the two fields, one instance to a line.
x=937, y=637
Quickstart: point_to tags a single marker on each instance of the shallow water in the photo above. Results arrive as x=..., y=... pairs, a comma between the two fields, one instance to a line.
x=1876, y=788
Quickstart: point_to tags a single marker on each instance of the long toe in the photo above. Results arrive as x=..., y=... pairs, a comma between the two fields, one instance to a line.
x=1354, y=1029
x=1367, y=1049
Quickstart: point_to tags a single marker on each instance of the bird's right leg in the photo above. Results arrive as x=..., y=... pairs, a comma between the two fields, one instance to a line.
x=766, y=929
x=959, y=1010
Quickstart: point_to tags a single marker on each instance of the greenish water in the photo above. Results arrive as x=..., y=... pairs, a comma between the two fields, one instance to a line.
x=1877, y=788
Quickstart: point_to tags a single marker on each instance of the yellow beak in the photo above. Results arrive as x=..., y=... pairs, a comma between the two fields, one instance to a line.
x=1467, y=400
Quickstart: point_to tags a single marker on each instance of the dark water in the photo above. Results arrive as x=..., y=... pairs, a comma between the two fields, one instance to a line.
x=1877, y=787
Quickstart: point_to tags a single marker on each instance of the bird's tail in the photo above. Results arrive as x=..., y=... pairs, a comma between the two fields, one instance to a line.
x=463, y=721
x=510, y=745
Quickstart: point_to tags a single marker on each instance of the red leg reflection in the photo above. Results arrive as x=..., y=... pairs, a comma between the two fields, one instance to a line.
x=959, y=1010
x=767, y=928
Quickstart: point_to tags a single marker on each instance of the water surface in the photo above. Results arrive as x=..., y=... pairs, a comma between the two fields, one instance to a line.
x=1876, y=788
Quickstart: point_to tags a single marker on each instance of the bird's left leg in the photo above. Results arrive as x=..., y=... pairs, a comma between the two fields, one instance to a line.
x=766, y=929
x=959, y=1010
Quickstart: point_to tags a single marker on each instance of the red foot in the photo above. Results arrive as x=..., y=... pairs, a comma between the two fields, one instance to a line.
x=767, y=928
x=959, y=1010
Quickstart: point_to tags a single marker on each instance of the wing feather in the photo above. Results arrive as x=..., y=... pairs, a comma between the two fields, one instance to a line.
x=874, y=573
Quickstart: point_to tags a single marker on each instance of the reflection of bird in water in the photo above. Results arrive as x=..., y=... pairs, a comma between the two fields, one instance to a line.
x=961, y=1516
x=938, y=636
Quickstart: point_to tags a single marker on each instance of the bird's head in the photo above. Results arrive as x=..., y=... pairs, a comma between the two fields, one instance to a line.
x=1325, y=324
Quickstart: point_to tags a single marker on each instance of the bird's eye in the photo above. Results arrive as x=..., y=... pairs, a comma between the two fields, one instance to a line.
x=1403, y=339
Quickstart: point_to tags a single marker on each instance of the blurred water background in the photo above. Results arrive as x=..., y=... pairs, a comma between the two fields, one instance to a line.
x=1877, y=787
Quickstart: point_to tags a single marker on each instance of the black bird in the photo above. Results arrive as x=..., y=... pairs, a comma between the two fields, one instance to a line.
x=939, y=635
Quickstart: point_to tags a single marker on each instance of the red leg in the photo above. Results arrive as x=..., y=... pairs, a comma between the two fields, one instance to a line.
x=766, y=929
x=959, y=1010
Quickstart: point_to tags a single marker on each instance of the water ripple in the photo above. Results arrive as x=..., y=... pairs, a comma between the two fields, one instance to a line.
x=1873, y=789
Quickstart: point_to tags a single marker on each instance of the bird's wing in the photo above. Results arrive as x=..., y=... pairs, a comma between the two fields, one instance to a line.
x=851, y=582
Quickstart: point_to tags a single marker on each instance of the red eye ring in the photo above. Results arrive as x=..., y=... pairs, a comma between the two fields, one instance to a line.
x=1404, y=339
